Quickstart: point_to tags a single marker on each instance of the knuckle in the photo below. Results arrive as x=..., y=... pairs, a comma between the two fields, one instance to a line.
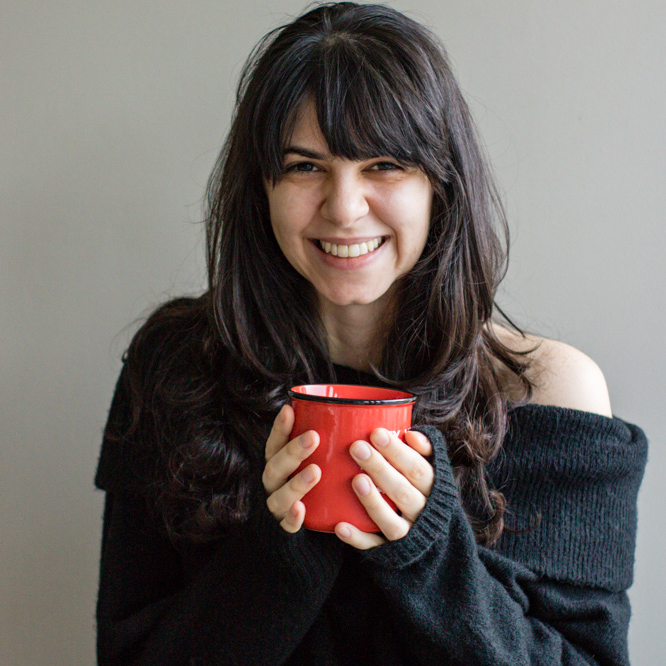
x=283, y=430
x=418, y=471
x=404, y=495
x=375, y=465
x=268, y=475
x=395, y=532
x=296, y=450
x=371, y=501
x=272, y=504
x=379, y=464
x=299, y=484
x=287, y=526
x=271, y=448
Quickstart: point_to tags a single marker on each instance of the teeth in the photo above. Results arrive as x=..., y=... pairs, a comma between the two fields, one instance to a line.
x=355, y=250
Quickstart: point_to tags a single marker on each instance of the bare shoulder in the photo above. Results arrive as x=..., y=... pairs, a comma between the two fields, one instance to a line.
x=563, y=375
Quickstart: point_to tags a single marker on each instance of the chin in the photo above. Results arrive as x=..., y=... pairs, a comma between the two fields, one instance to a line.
x=342, y=300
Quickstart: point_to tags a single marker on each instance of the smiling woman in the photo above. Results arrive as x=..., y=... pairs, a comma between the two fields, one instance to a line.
x=354, y=236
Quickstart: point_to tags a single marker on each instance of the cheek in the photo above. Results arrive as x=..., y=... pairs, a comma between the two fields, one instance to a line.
x=414, y=194
x=279, y=217
x=410, y=211
x=288, y=213
x=284, y=240
x=287, y=227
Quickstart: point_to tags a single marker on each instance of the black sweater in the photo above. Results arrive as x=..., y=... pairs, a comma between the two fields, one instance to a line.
x=553, y=594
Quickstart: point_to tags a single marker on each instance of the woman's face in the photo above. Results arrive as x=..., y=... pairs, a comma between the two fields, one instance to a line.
x=350, y=228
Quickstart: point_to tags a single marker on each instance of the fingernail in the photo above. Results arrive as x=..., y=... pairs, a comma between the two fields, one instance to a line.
x=282, y=415
x=308, y=475
x=344, y=531
x=361, y=450
x=361, y=485
x=306, y=440
x=381, y=437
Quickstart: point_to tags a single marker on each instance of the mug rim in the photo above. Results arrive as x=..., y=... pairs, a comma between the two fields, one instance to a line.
x=409, y=399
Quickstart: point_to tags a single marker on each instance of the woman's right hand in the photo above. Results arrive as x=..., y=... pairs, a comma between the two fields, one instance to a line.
x=283, y=457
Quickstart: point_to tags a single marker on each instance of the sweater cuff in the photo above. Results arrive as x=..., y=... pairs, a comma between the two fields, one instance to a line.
x=433, y=522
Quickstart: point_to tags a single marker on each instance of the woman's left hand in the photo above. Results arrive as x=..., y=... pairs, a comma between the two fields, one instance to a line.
x=402, y=472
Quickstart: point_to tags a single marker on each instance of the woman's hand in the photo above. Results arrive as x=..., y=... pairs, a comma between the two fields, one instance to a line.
x=282, y=459
x=401, y=470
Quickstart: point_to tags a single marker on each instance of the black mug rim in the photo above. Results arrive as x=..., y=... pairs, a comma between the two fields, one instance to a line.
x=352, y=401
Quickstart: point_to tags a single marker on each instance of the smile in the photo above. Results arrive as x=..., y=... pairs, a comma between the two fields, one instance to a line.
x=354, y=250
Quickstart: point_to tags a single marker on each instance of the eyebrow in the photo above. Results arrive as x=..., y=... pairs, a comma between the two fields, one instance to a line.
x=298, y=150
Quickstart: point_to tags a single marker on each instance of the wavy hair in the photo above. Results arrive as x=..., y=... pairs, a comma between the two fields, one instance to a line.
x=381, y=84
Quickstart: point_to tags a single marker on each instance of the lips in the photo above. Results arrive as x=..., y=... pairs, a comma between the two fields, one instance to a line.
x=351, y=250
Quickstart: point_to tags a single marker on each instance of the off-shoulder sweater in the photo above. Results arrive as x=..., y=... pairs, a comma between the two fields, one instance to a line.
x=547, y=593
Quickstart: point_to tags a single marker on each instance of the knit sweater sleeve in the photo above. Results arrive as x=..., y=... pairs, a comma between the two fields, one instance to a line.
x=553, y=594
x=248, y=598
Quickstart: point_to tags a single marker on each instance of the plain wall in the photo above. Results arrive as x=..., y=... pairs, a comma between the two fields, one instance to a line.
x=112, y=115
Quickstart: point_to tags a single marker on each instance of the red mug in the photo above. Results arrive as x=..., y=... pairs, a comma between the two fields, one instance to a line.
x=342, y=414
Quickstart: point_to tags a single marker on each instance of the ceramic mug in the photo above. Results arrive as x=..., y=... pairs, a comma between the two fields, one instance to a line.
x=342, y=414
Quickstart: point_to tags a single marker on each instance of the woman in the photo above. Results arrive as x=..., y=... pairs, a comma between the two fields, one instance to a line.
x=354, y=235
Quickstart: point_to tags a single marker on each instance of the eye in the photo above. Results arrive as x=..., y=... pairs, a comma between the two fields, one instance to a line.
x=301, y=167
x=386, y=166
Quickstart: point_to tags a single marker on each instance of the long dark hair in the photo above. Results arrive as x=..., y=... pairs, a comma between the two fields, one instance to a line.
x=381, y=85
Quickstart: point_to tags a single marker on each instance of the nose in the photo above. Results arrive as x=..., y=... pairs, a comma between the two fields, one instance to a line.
x=344, y=200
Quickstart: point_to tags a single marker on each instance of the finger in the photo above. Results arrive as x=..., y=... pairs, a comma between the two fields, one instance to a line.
x=403, y=457
x=293, y=520
x=419, y=442
x=279, y=436
x=392, y=526
x=286, y=461
x=407, y=497
x=281, y=501
x=354, y=537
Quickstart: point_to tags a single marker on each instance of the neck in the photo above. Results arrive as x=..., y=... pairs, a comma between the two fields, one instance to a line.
x=355, y=333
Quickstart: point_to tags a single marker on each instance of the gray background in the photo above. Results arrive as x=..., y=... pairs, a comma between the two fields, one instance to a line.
x=112, y=114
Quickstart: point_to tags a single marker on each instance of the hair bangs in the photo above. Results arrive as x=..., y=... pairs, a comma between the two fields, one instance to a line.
x=367, y=105
x=370, y=103
x=359, y=122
